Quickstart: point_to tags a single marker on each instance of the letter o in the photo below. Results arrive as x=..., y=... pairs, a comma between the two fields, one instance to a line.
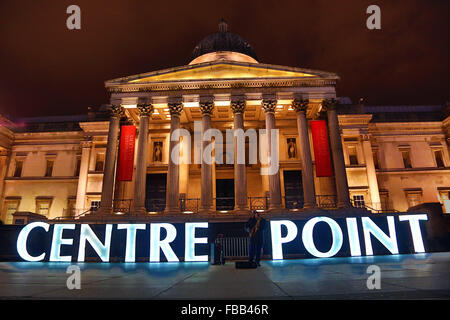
x=308, y=241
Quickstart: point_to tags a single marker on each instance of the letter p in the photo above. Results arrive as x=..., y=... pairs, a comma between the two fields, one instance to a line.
x=278, y=240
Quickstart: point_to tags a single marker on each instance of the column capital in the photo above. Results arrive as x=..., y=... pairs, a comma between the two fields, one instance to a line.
x=269, y=105
x=145, y=110
x=175, y=108
x=329, y=104
x=300, y=105
x=86, y=144
x=237, y=106
x=116, y=111
x=206, y=108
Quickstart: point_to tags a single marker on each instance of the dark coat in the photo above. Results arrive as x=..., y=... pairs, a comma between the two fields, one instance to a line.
x=259, y=235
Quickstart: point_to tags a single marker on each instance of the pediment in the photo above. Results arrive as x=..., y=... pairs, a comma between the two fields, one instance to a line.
x=223, y=70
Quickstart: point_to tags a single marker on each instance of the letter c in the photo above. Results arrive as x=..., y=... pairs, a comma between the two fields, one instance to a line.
x=22, y=241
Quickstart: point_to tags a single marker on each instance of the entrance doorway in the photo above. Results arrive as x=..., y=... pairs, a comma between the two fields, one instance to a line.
x=155, y=192
x=224, y=194
x=293, y=189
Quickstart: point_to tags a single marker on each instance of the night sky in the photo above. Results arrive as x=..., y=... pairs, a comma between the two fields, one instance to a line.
x=47, y=69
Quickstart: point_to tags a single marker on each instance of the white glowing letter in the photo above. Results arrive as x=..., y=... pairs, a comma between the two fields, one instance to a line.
x=414, y=225
x=308, y=240
x=130, y=250
x=22, y=241
x=353, y=237
x=58, y=241
x=390, y=242
x=86, y=234
x=277, y=240
x=191, y=240
x=156, y=243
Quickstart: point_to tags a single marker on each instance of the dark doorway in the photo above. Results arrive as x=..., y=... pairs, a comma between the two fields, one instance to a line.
x=224, y=194
x=155, y=192
x=293, y=189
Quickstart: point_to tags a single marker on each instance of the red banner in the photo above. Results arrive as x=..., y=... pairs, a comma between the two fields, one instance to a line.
x=321, y=148
x=126, y=156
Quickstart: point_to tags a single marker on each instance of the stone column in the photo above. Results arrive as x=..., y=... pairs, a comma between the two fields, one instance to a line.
x=173, y=179
x=309, y=192
x=206, y=170
x=371, y=172
x=340, y=174
x=240, y=177
x=5, y=155
x=275, y=202
x=145, y=110
x=83, y=176
x=110, y=161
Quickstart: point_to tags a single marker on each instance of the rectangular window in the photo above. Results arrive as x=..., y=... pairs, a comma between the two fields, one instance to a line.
x=43, y=206
x=439, y=159
x=358, y=201
x=11, y=207
x=99, y=162
x=406, y=158
x=49, y=168
x=18, y=168
x=384, y=199
x=70, y=211
x=414, y=197
x=444, y=196
x=95, y=204
x=352, y=155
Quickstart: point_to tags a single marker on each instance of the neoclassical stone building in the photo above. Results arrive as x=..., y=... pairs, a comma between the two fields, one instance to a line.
x=383, y=158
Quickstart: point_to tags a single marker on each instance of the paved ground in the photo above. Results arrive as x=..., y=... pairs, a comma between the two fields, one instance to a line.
x=419, y=276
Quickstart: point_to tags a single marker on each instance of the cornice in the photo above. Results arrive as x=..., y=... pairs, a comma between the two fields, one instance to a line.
x=219, y=84
x=354, y=119
x=406, y=128
x=95, y=127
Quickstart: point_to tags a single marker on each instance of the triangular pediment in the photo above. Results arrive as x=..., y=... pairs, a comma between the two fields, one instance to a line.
x=223, y=70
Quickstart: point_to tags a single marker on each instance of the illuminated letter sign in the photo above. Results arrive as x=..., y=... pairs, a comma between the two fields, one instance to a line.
x=390, y=242
x=58, y=241
x=277, y=240
x=130, y=251
x=22, y=241
x=162, y=237
x=308, y=241
x=415, y=230
x=126, y=156
x=321, y=148
x=191, y=240
x=86, y=234
x=156, y=243
x=353, y=237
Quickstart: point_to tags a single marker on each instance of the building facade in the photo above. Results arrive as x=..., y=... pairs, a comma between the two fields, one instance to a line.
x=384, y=158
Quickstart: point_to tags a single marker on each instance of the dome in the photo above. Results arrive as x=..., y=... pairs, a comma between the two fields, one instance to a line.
x=224, y=41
